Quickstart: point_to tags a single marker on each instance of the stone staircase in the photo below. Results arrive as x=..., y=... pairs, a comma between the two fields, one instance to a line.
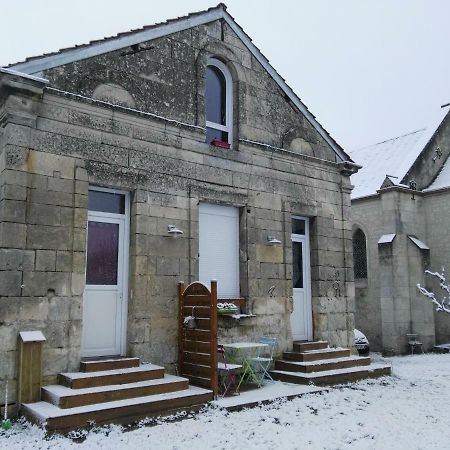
x=317, y=363
x=113, y=390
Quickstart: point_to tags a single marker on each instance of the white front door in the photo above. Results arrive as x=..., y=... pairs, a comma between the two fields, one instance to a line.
x=301, y=317
x=105, y=294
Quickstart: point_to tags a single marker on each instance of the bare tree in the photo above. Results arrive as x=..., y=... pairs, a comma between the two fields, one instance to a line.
x=442, y=304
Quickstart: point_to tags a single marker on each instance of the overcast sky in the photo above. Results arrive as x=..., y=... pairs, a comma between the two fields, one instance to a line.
x=368, y=70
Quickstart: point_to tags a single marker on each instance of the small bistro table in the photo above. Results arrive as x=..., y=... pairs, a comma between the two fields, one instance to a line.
x=244, y=352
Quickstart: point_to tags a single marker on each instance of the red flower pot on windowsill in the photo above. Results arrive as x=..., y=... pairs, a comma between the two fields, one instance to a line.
x=219, y=143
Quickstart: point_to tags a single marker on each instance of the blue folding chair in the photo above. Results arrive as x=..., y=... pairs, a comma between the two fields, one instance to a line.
x=261, y=363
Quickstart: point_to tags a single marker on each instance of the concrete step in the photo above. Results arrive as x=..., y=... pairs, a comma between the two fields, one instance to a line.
x=316, y=355
x=330, y=377
x=65, y=397
x=321, y=365
x=79, y=380
x=98, y=365
x=56, y=419
x=307, y=346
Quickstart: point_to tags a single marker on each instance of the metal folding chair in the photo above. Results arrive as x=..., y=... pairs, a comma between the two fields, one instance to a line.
x=261, y=364
x=227, y=373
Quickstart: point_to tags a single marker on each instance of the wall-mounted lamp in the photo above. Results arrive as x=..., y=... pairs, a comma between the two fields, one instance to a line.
x=174, y=231
x=272, y=240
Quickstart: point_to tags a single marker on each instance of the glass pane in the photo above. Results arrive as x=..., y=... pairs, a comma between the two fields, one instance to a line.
x=298, y=226
x=215, y=96
x=102, y=253
x=212, y=134
x=297, y=265
x=109, y=202
x=359, y=254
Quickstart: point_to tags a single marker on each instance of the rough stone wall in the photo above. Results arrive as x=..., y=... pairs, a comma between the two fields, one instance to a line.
x=367, y=216
x=55, y=145
x=437, y=209
x=42, y=227
x=395, y=271
x=168, y=79
x=391, y=306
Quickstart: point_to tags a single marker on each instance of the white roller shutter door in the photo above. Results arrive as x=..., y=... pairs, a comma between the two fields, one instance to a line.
x=219, y=248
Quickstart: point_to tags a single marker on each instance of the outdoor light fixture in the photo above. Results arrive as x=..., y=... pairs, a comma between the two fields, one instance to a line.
x=174, y=231
x=272, y=240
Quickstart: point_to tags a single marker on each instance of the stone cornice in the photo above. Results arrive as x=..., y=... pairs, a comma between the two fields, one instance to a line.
x=20, y=98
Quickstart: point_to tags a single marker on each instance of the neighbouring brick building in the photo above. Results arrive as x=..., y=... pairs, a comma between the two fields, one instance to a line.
x=400, y=215
x=108, y=150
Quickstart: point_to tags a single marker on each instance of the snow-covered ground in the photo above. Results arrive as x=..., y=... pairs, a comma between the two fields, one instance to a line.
x=407, y=411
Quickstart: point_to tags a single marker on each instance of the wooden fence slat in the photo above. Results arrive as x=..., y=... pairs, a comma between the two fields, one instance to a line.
x=213, y=368
x=180, y=325
x=197, y=358
x=196, y=370
x=197, y=300
x=197, y=347
x=198, y=335
x=197, y=288
x=203, y=312
x=198, y=381
x=203, y=324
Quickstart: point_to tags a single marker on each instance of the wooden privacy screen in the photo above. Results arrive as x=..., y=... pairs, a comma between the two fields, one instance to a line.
x=197, y=340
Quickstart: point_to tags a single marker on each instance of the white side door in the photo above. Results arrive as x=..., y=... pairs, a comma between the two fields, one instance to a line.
x=301, y=317
x=105, y=294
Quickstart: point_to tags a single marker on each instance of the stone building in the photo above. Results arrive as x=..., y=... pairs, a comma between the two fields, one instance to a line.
x=400, y=215
x=182, y=126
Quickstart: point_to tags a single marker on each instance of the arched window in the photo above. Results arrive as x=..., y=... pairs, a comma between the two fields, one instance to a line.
x=218, y=103
x=359, y=254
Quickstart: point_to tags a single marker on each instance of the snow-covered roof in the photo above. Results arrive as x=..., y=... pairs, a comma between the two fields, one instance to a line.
x=386, y=238
x=35, y=65
x=391, y=158
x=443, y=178
x=419, y=243
x=32, y=336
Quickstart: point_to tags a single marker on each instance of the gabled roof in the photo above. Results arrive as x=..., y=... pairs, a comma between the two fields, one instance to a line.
x=442, y=180
x=391, y=159
x=37, y=64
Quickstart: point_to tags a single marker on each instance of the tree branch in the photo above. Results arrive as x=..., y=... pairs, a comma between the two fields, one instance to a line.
x=442, y=304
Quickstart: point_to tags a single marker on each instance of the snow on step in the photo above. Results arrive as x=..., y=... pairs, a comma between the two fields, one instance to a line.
x=326, y=350
x=44, y=411
x=58, y=389
x=79, y=380
x=66, y=397
x=313, y=355
x=322, y=364
x=312, y=345
x=329, y=361
x=336, y=373
x=268, y=392
x=96, y=365
x=84, y=375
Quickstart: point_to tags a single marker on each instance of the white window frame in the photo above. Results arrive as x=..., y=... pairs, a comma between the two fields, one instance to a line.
x=228, y=127
x=126, y=256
